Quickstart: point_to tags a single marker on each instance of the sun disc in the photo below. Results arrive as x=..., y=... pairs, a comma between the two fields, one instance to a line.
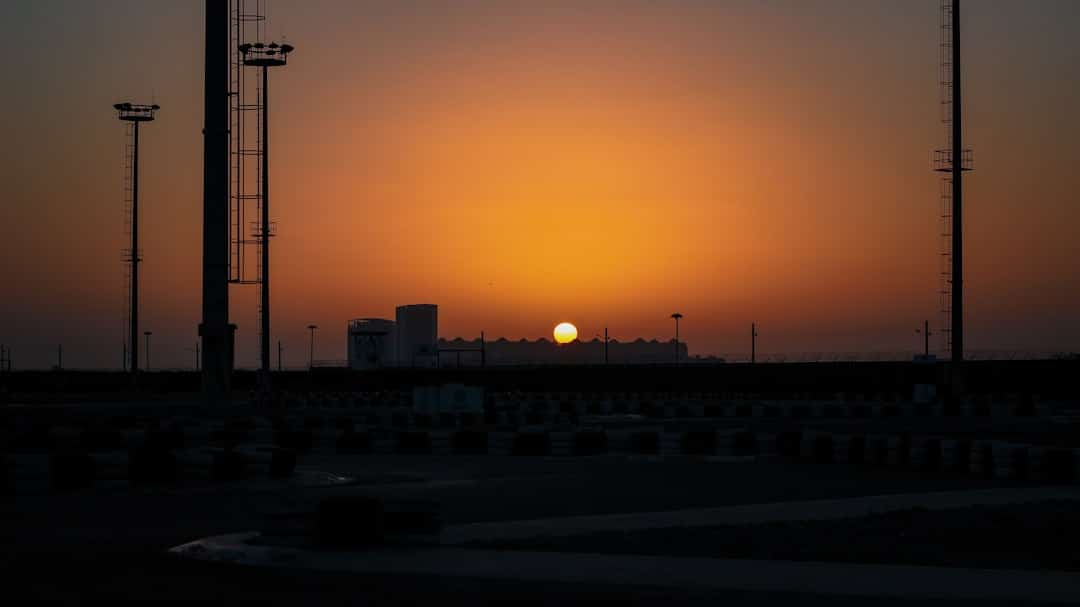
x=565, y=333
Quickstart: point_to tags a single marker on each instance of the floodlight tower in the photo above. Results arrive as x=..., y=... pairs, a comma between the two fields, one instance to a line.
x=265, y=56
x=133, y=114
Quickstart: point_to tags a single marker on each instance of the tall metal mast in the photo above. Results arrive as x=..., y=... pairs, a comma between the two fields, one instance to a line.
x=264, y=56
x=953, y=160
x=215, y=330
x=133, y=115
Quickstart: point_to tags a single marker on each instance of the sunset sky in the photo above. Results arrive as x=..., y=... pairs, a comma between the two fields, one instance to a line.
x=524, y=163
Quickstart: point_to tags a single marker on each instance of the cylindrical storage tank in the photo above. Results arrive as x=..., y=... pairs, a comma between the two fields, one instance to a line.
x=417, y=335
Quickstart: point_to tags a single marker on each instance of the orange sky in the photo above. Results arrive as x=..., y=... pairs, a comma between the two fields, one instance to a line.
x=606, y=163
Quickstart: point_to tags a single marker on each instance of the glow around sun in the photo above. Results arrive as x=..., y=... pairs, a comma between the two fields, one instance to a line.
x=565, y=333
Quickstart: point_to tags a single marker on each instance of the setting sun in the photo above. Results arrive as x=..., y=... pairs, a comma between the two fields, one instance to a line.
x=565, y=333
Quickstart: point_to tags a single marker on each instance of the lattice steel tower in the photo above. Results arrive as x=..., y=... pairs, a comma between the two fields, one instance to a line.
x=952, y=193
x=132, y=115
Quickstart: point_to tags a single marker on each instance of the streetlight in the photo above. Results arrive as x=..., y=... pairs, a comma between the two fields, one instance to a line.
x=148, y=334
x=311, y=355
x=676, y=316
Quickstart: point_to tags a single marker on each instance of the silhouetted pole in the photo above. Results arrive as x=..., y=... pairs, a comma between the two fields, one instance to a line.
x=195, y=353
x=134, y=329
x=135, y=114
x=279, y=355
x=753, y=342
x=676, y=316
x=926, y=338
x=483, y=350
x=215, y=330
x=147, y=334
x=957, y=195
x=264, y=340
x=60, y=357
x=605, y=346
x=311, y=353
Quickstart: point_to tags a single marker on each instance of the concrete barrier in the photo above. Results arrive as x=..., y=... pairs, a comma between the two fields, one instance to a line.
x=956, y=456
x=441, y=442
x=789, y=444
x=926, y=454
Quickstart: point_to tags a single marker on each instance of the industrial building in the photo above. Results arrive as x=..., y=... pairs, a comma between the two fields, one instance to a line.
x=412, y=340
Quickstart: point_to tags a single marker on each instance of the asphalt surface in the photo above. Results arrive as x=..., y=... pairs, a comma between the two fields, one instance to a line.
x=109, y=544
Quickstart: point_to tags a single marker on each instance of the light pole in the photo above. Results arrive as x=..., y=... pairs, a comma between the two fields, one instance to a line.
x=135, y=114
x=311, y=354
x=147, y=334
x=753, y=342
x=926, y=337
x=265, y=56
x=677, y=316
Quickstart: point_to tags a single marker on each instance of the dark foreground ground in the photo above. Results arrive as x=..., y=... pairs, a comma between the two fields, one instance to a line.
x=107, y=546
x=1038, y=537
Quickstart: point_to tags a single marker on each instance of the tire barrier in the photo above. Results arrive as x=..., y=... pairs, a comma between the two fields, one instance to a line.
x=72, y=471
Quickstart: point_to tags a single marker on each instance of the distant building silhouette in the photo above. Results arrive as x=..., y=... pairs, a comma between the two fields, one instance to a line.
x=411, y=340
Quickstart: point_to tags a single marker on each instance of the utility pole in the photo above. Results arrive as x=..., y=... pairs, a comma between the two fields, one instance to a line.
x=605, y=345
x=677, y=317
x=311, y=354
x=148, y=334
x=753, y=342
x=926, y=338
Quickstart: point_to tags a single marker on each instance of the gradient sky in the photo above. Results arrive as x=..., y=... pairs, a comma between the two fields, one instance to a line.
x=523, y=163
